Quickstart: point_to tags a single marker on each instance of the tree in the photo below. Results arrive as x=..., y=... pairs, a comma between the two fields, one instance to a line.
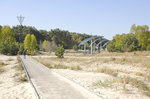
x=130, y=44
x=61, y=37
x=133, y=29
x=8, y=45
x=148, y=47
x=49, y=46
x=59, y=52
x=33, y=42
x=30, y=42
x=21, y=48
x=111, y=46
x=144, y=39
x=44, y=45
x=27, y=42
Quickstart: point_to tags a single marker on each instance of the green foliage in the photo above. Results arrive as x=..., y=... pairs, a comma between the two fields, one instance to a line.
x=8, y=45
x=148, y=47
x=144, y=39
x=111, y=46
x=137, y=39
x=21, y=48
x=55, y=36
x=44, y=45
x=9, y=49
x=27, y=42
x=59, y=52
x=61, y=37
x=30, y=42
x=75, y=47
x=130, y=44
x=33, y=42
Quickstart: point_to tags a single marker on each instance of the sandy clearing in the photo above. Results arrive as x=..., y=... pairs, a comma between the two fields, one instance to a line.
x=90, y=63
x=10, y=88
x=86, y=79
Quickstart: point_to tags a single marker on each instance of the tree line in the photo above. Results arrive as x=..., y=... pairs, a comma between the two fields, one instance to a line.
x=34, y=39
x=137, y=40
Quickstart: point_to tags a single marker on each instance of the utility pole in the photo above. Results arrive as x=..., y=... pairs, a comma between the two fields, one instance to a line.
x=20, y=19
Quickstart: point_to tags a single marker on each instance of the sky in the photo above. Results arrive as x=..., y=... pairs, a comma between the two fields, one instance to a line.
x=97, y=17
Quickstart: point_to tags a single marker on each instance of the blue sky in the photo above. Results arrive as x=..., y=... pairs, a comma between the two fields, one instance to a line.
x=98, y=17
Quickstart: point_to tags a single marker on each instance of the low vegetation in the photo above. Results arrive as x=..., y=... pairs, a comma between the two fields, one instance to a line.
x=59, y=52
x=144, y=88
x=1, y=67
x=107, y=70
x=59, y=66
x=21, y=76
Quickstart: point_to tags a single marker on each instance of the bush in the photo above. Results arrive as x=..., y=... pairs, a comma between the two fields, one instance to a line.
x=75, y=47
x=59, y=52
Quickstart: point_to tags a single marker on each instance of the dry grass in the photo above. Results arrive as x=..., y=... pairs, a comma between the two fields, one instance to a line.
x=125, y=81
x=9, y=59
x=23, y=78
x=59, y=66
x=107, y=70
x=1, y=70
x=1, y=65
x=139, y=74
x=135, y=64
x=20, y=75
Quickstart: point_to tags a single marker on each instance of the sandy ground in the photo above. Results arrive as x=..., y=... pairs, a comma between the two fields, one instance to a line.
x=87, y=77
x=10, y=88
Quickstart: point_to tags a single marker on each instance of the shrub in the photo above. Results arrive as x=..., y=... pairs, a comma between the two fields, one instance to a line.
x=75, y=47
x=59, y=52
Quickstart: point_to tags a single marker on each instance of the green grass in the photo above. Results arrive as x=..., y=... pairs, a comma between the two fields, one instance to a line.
x=144, y=88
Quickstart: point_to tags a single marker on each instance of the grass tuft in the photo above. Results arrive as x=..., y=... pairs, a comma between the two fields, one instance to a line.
x=107, y=70
x=9, y=59
x=59, y=66
x=1, y=70
x=145, y=89
x=23, y=78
